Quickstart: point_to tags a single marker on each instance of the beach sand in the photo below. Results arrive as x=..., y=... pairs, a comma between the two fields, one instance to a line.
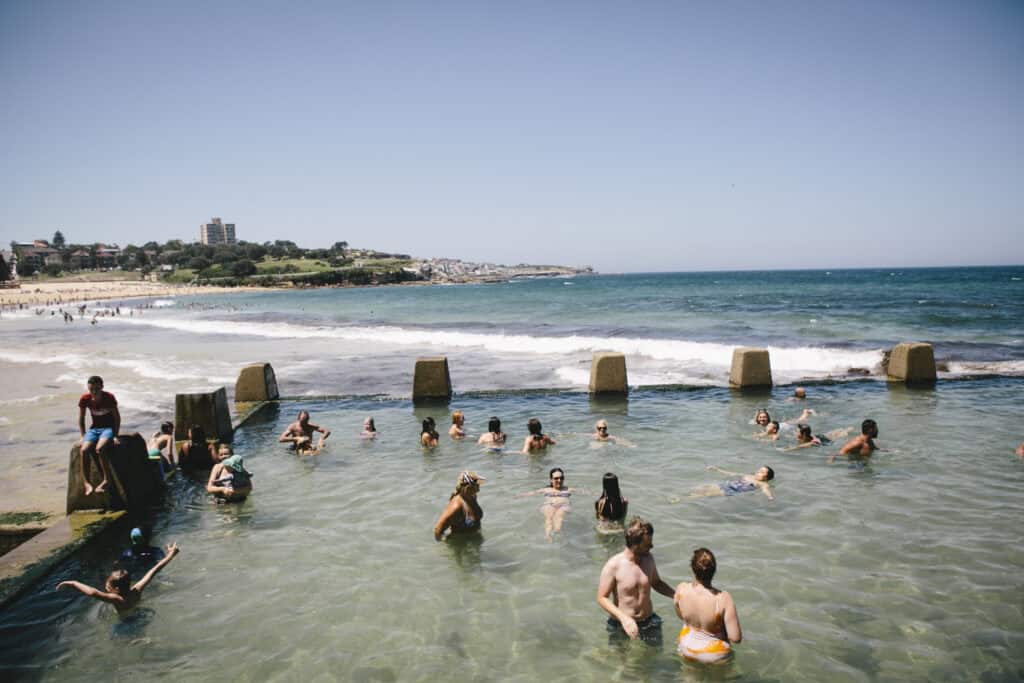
x=42, y=293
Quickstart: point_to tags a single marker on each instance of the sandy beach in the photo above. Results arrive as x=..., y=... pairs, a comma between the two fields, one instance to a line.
x=43, y=293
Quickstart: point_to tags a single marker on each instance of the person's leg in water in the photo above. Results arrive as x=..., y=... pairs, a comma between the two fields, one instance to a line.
x=549, y=521
x=557, y=517
x=707, y=491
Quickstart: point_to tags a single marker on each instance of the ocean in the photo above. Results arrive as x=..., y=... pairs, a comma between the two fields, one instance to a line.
x=907, y=567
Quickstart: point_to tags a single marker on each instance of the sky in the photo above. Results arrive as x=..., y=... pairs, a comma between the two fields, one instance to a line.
x=643, y=136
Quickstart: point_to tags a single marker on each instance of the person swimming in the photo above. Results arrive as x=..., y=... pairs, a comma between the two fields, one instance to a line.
x=863, y=445
x=428, y=435
x=743, y=484
x=711, y=625
x=457, y=431
x=556, y=502
x=369, y=429
x=494, y=438
x=229, y=480
x=537, y=440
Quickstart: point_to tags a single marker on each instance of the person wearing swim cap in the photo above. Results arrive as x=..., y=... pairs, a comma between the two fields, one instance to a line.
x=229, y=480
x=140, y=556
x=463, y=513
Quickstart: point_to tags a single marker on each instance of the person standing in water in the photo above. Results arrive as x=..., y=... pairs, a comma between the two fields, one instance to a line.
x=301, y=431
x=863, y=445
x=428, y=434
x=710, y=623
x=495, y=438
x=106, y=424
x=611, y=506
x=463, y=513
x=537, y=440
x=369, y=429
x=456, y=431
x=624, y=590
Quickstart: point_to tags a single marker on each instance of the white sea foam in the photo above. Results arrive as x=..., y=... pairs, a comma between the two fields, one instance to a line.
x=163, y=303
x=1005, y=367
x=150, y=368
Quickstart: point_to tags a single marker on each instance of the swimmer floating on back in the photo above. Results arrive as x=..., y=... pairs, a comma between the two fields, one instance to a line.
x=556, y=502
x=745, y=483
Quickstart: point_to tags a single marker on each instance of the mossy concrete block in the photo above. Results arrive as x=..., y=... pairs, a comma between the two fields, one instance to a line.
x=431, y=380
x=608, y=374
x=134, y=481
x=208, y=410
x=913, y=363
x=256, y=382
x=750, y=368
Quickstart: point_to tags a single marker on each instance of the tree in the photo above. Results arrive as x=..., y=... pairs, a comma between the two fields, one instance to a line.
x=339, y=247
x=243, y=268
x=58, y=240
x=198, y=263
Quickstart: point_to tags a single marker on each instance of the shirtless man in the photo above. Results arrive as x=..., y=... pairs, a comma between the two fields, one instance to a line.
x=106, y=424
x=301, y=432
x=863, y=445
x=624, y=591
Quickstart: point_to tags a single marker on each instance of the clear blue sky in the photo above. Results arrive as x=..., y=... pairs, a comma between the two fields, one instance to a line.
x=625, y=135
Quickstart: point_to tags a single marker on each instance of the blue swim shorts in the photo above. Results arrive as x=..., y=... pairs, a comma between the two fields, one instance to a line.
x=98, y=434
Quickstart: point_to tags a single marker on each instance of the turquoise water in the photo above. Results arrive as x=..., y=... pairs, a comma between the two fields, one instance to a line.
x=906, y=568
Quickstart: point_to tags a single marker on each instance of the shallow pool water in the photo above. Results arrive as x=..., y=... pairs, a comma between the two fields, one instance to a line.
x=906, y=568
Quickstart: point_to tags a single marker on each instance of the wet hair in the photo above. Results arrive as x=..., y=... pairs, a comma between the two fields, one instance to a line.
x=551, y=474
x=301, y=413
x=761, y=412
x=799, y=392
x=370, y=426
x=868, y=426
x=775, y=424
x=771, y=475
x=494, y=425
x=636, y=531
x=95, y=379
x=197, y=435
x=613, y=506
x=119, y=581
x=534, y=427
x=428, y=428
x=166, y=427
x=703, y=565
x=456, y=415
x=805, y=431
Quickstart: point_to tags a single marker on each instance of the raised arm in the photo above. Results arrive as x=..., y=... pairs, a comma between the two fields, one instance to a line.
x=732, y=620
x=84, y=589
x=725, y=472
x=140, y=585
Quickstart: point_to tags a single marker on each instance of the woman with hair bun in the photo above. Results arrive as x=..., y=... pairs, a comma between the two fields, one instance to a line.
x=710, y=623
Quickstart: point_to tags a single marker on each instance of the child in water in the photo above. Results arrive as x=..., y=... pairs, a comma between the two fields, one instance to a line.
x=119, y=591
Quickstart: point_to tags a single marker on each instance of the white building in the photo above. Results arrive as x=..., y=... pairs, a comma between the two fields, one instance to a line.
x=215, y=232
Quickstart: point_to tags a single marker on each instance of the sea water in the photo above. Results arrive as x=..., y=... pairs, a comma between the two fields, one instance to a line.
x=904, y=568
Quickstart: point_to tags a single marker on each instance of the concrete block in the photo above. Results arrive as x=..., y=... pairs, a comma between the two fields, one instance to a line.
x=209, y=411
x=608, y=374
x=750, y=368
x=256, y=382
x=133, y=483
x=912, y=362
x=431, y=380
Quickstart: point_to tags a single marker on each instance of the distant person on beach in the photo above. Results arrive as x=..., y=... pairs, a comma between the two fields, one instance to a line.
x=229, y=480
x=495, y=438
x=537, y=440
x=710, y=623
x=456, y=431
x=119, y=591
x=141, y=555
x=611, y=507
x=428, y=434
x=556, y=502
x=369, y=429
x=161, y=441
x=745, y=483
x=197, y=453
x=106, y=425
x=463, y=513
x=301, y=431
x=624, y=590
x=863, y=445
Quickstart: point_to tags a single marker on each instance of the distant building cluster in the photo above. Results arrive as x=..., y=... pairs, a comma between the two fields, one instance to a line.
x=215, y=232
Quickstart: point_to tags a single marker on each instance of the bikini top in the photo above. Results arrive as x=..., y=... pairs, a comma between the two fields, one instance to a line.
x=557, y=494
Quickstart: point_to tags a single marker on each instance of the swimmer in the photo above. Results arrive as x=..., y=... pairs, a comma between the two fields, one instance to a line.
x=429, y=435
x=799, y=394
x=456, y=431
x=229, y=479
x=745, y=483
x=806, y=439
x=601, y=435
x=302, y=429
x=710, y=623
x=556, y=502
x=1020, y=450
x=119, y=591
x=197, y=453
x=611, y=506
x=164, y=439
x=463, y=513
x=369, y=429
x=863, y=445
x=495, y=438
x=624, y=590
x=773, y=428
x=537, y=440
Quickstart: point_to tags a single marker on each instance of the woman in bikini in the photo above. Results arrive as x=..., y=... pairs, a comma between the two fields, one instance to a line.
x=537, y=440
x=556, y=502
x=463, y=513
x=428, y=435
x=494, y=438
x=710, y=623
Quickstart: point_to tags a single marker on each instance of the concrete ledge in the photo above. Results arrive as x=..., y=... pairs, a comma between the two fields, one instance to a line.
x=431, y=380
x=750, y=368
x=913, y=363
x=608, y=374
x=134, y=481
x=21, y=568
x=256, y=382
x=209, y=411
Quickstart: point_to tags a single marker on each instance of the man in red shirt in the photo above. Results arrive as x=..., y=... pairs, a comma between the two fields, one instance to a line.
x=106, y=421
